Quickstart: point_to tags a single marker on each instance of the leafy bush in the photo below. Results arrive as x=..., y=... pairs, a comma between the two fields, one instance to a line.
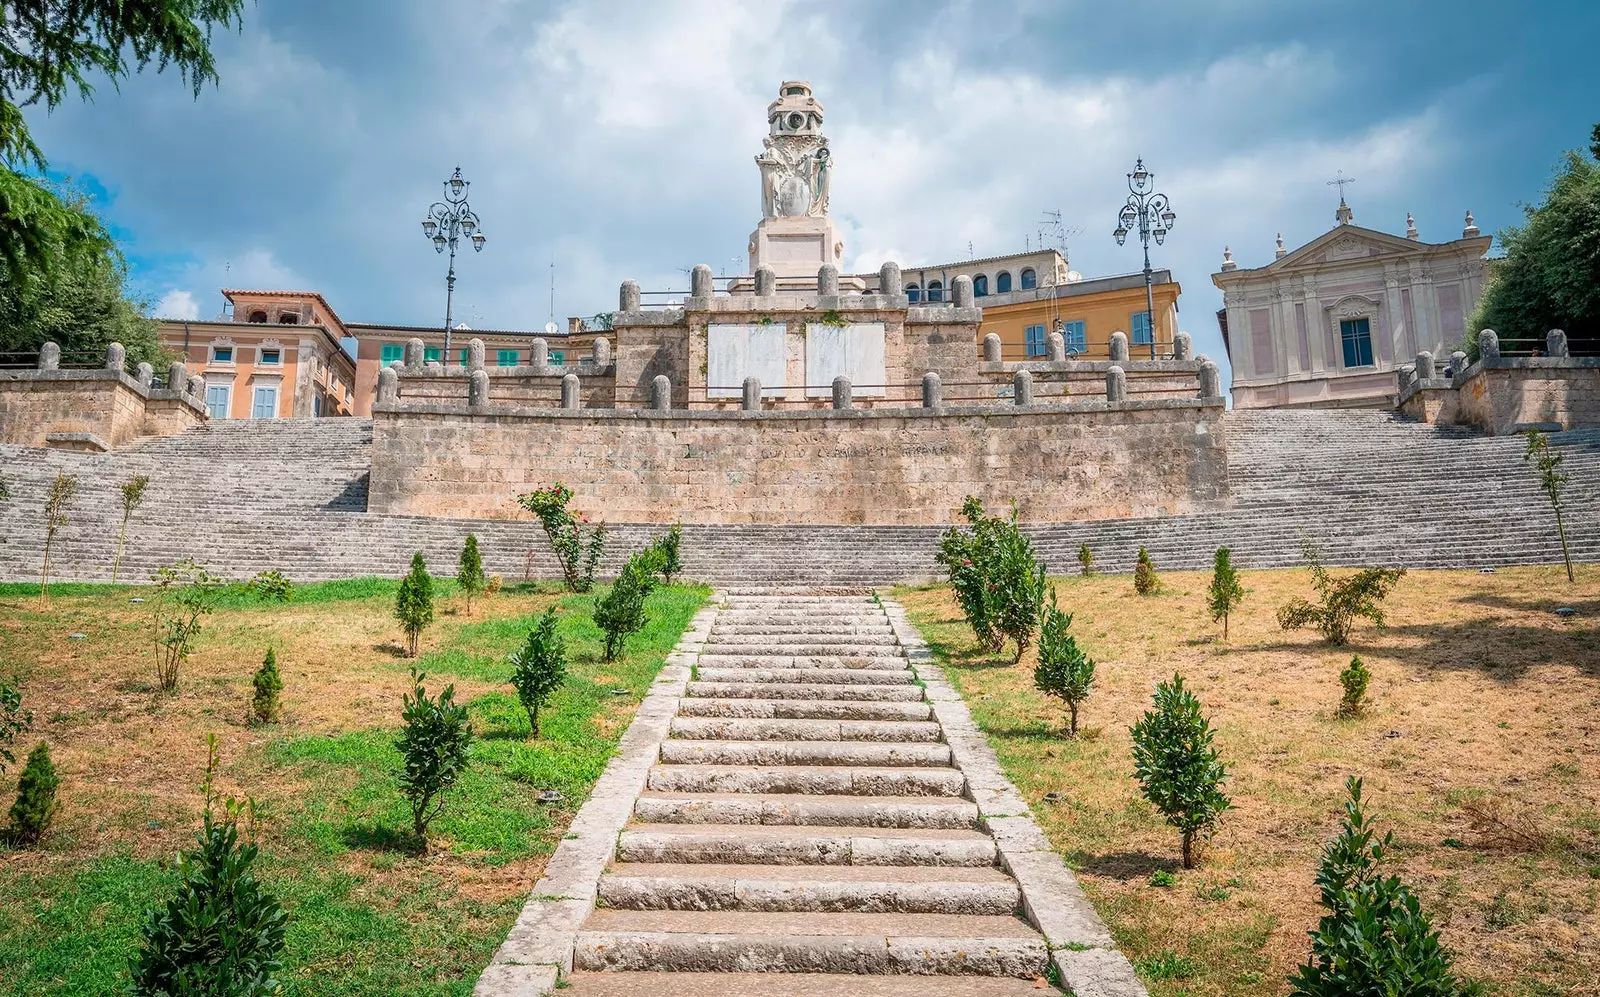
x=272, y=586
x=185, y=593
x=264, y=705
x=1354, y=679
x=1551, y=478
x=578, y=550
x=434, y=748
x=1344, y=600
x=1063, y=671
x=132, y=494
x=539, y=667
x=63, y=492
x=1177, y=767
x=1085, y=560
x=469, y=572
x=1375, y=937
x=1226, y=593
x=14, y=720
x=997, y=579
x=492, y=586
x=1145, y=581
x=669, y=546
x=413, y=602
x=36, y=802
x=222, y=934
x=620, y=612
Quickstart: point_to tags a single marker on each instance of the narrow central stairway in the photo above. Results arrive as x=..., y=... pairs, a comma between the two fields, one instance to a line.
x=805, y=831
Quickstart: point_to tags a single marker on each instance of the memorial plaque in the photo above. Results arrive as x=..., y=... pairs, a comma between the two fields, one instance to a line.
x=735, y=352
x=856, y=351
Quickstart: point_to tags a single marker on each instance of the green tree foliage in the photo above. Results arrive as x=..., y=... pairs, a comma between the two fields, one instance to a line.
x=57, y=507
x=1085, y=560
x=132, y=494
x=1354, y=679
x=14, y=721
x=620, y=612
x=671, y=556
x=539, y=667
x=1145, y=581
x=1550, y=277
x=264, y=705
x=997, y=580
x=469, y=573
x=434, y=748
x=1225, y=593
x=1551, y=478
x=36, y=804
x=577, y=546
x=272, y=585
x=1375, y=937
x=222, y=934
x=1177, y=766
x=1063, y=671
x=1343, y=600
x=413, y=602
x=185, y=594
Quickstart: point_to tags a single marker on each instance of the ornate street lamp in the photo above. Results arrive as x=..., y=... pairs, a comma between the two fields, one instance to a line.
x=1153, y=216
x=448, y=222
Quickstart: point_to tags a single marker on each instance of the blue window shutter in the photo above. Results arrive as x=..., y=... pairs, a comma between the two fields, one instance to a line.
x=1075, y=335
x=1034, y=340
x=1141, y=328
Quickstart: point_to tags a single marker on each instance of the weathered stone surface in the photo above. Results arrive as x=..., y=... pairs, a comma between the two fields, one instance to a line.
x=509, y=980
x=1097, y=973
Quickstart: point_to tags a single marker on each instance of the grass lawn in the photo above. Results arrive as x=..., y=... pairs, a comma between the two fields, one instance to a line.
x=369, y=914
x=1480, y=695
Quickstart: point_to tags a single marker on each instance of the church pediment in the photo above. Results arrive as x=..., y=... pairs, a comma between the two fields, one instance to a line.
x=1344, y=243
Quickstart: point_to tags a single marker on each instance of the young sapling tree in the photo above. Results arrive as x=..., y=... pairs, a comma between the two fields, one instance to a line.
x=1354, y=679
x=185, y=594
x=413, y=603
x=1145, y=581
x=132, y=494
x=1178, y=767
x=268, y=684
x=57, y=506
x=539, y=667
x=1551, y=478
x=36, y=804
x=433, y=747
x=1226, y=593
x=1063, y=671
x=1085, y=560
x=469, y=573
x=14, y=721
x=1343, y=600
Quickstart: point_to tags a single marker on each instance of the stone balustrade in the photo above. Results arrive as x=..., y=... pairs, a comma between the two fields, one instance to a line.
x=95, y=408
x=1498, y=394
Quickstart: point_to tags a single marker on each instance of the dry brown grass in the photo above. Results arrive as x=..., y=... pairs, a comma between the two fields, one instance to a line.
x=1479, y=695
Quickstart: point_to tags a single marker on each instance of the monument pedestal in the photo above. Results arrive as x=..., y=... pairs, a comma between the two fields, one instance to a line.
x=795, y=248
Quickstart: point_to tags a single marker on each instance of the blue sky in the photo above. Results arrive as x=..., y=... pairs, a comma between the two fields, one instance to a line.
x=616, y=138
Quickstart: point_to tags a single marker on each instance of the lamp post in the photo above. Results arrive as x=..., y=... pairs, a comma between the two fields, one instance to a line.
x=448, y=222
x=1153, y=215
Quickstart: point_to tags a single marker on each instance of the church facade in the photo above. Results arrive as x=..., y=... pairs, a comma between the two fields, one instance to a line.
x=1325, y=325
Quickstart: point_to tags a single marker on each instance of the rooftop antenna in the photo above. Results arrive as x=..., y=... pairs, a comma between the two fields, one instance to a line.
x=552, y=288
x=970, y=254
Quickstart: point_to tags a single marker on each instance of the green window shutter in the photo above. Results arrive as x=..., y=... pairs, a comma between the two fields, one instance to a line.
x=506, y=358
x=432, y=354
x=558, y=358
x=393, y=352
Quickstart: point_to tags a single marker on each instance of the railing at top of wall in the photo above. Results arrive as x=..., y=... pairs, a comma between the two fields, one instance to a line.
x=70, y=360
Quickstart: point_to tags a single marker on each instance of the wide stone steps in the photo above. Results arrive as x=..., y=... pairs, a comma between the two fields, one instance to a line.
x=810, y=889
x=774, y=752
x=806, y=809
x=821, y=676
x=804, y=709
x=808, y=844
x=838, y=779
x=738, y=984
x=708, y=728
x=790, y=691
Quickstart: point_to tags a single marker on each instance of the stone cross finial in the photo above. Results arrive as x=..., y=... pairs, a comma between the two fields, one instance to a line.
x=661, y=393
x=1488, y=345
x=1210, y=380
x=474, y=354
x=388, y=386
x=144, y=374
x=1116, y=384
x=701, y=283
x=1022, y=388
x=539, y=354
x=49, y=356
x=843, y=394
x=889, y=280
x=602, y=351
x=628, y=297
x=1119, y=347
x=932, y=390
x=1183, y=346
x=1411, y=228
x=1425, y=371
x=827, y=281
x=1057, y=348
x=416, y=353
x=116, y=357
x=991, y=348
x=961, y=291
x=1471, y=229
x=571, y=396
x=766, y=281
x=478, y=389
x=751, y=401
x=1555, y=344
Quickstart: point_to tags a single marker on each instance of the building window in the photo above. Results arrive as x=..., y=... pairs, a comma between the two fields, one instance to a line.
x=1140, y=323
x=1034, y=339
x=935, y=290
x=392, y=353
x=432, y=354
x=272, y=356
x=558, y=358
x=980, y=286
x=1002, y=282
x=1356, y=334
x=258, y=317
x=217, y=396
x=913, y=292
x=506, y=358
x=1030, y=280
x=288, y=318
x=222, y=354
x=1077, y=339
x=266, y=403
x=316, y=406
x=463, y=358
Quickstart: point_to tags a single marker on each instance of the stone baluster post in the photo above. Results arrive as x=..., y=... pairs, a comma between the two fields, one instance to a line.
x=571, y=393
x=961, y=291
x=1555, y=344
x=843, y=395
x=49, y=356
x=661, y=393
x=1425, y=370
x=1058, y=348
x=752, y=393
x=628, y=297
x=474, y=354
x=602, y=351
x=1182, y=347
x=478, y=389
x=991, y=348
x=701, y=284
x=416, y=353
x=146, y=375
x=1116, y=384
x=1405, y=376
x=539, y=354
x=388, y=386
x=1022, y=387
x=116, y=357
x=1458, y=363
x=196, y=386
x=932, y=390
x=177, y=376
x=827, y=281
x=1210, y=380
x=766, y=282
x=1119, y=347
x=1488, y=345
x=889, y=280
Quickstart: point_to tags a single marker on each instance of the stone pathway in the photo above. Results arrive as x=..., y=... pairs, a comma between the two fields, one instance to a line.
x=812, y=810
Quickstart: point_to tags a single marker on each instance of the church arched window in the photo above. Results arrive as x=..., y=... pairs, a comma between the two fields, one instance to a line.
x=1002, y=282
x=980, y=286
x=913, y=292
x=1030, y=280
x=935, y=290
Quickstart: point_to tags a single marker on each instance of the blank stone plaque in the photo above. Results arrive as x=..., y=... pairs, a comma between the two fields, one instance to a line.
x=856, y=351
x=735, y=352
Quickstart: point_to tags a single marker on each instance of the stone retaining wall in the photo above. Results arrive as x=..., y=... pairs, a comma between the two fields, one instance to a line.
x=1080, y=460
x=88, y=409
x=1500, y=395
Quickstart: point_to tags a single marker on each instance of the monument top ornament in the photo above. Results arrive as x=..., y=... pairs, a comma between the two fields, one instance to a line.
x=795, y=160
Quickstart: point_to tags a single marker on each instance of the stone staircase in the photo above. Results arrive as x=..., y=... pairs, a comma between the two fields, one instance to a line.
x=245, y=496
x=804, y=829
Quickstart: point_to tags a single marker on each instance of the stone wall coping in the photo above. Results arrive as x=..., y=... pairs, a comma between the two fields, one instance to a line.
x=1477, y=368
x=944, y=315
x=654, y=317
x=1431, y=384
x=556, y=372
x=1006, y=410
x=1090, y=366
x=796, y=303
x=82, y=374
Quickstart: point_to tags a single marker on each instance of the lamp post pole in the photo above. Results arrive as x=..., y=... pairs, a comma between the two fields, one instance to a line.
x=1153, y=215
x=448, y=222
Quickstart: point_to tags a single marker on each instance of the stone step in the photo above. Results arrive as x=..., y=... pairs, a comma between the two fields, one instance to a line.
x=792, y=691
x=834, y=752
x=804, y=709
x=886, y=944
x=764, y=844
x=836, y=626
x=788, y=661
x=783, y=810
x=790, y=649
x=734, y=729
x=815, y=889
x=820, y=676
x=807, y=636
x=582, y=983
x=827, y=780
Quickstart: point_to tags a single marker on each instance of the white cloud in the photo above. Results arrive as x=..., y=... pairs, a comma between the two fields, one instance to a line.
x=178, y=304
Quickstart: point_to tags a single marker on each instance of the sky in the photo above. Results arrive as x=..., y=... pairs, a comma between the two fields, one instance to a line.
x=616, y=139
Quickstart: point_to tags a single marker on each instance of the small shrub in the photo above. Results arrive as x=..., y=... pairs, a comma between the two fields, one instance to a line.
x=132, y=492
x=222, y=933
x=469, y=573
x=272, y=586
x=264, y=705
x=1343, y=600
x=1177, y=766
x=1145, y=581
x=620, y=612
x=1163, y=877
x=185, y=593
x=413, y=603
x=1063, y=671
x=1085, y=560
x=14, y=721
x=63, y=492
x=578, y=549
x=671, y=555
x=434, y=748
x=1354, y=679
x=997, y=580
x=539, y=667
x=492, y=587
x=1551, y=478
x=1226, y=593
x=1375, y=937
x=36, y=803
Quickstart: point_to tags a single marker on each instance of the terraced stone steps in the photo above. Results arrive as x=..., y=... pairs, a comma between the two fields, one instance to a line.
x=739, y=984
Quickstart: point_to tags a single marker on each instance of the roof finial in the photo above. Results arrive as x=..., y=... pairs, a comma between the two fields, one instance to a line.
x=1227, y=259
x=1411, y=228
x=1281, y=251
x=1471, y=231
x=1344, y=215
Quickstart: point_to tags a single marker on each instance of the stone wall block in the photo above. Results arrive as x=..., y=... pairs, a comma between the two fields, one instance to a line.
x=1425, y=371
x=49, y=356
x=478, y=388
x=388, y=386
x=474, y=354
x=1058, y=347
x=932, y=390
x=628, y=296
x=991, y=347
x=1022, y=387
x=1210, y=380
x=145, y=374
x=961, y=291
x=1182, y=346
x=766, y=282
x=1489, y=345
x=661, y=393
x=1556, y=344
x=1116, y=383
x=416, y=353
x=843, y=396
x=889, y=280
x=571, y=396
x=1119, y=347
x=827, y=281
x=116, y=357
